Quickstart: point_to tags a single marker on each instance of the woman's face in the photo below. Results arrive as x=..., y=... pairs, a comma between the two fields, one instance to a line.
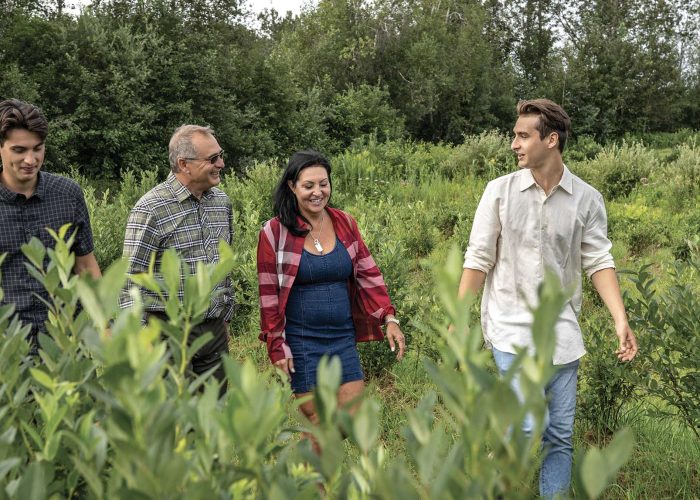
x=312, y=190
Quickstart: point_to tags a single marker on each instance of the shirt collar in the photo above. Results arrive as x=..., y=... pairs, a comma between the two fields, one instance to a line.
x=526, y=179
x=39, y=190
x=181, y=192
x=6, y=194
x=566, y=182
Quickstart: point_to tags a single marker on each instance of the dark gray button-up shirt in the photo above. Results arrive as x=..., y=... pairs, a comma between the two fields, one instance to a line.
x=56, y=201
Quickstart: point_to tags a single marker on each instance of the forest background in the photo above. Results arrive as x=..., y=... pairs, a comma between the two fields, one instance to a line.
x=115, y=80
x=413, y=101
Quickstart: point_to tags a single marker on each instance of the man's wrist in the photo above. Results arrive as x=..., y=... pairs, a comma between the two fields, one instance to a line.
x=621, y=321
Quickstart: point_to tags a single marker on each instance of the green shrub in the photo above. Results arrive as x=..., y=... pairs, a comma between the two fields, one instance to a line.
x=112, y=414
x=640, y=226
x=582, y=148
x=485, y=155
x=617, y=170
x=668, y=323
x=659, y=140
x=680, y=179
x=605, y=383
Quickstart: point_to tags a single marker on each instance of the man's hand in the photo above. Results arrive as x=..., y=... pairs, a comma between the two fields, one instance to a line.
x=628, y=342
x=605, y=283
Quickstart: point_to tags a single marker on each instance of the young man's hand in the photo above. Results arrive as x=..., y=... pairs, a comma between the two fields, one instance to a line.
x=628, y=342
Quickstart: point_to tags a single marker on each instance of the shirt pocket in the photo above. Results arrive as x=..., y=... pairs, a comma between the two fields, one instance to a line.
x=184, y=234
x=219, y=226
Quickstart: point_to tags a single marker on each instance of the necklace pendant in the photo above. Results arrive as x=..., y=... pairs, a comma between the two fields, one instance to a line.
x=318, y=246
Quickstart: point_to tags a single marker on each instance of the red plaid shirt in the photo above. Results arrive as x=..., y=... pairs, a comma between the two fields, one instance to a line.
x=279, y=253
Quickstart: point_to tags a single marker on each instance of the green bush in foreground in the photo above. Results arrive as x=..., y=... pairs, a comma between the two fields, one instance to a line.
x=669, y=322
x=114, y=414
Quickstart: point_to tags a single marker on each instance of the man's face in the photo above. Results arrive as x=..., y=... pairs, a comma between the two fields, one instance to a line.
x=22, y=156
x=532, y=152
x=202, y=172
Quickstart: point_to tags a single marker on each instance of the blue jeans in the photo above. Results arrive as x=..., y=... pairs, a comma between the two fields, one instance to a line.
x=555, y=475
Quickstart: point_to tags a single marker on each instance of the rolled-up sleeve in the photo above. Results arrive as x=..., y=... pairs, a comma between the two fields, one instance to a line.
x=272, y=319
x=483, y=239
x=595, y=245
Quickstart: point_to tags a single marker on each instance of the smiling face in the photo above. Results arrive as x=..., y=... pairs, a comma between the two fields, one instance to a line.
x=532, y=151
x=312, y=190
x=201, y=174
x=22, y=156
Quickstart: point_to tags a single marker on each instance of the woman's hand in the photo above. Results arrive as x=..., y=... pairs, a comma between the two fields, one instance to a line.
x=286, y=365
x=395, y=336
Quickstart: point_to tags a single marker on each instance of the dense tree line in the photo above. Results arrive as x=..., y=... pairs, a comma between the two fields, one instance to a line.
x=118, y=78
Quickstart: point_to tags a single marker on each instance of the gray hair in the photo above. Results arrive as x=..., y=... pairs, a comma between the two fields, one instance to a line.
x=181, y=143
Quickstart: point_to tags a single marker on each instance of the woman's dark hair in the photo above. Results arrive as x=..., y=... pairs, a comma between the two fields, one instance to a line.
x=286, y=206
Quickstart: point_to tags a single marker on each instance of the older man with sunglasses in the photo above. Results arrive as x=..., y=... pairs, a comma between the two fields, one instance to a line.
x=188, y=213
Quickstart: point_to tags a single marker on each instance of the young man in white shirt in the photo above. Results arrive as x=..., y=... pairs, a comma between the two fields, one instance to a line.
x=542, y=217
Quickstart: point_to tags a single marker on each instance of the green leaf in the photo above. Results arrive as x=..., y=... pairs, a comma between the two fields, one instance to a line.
x=91, y=303
x=90, y=475
x=52, y=280
x=170, y=267
x=43, y=378
x=147, y=281
x=34, y=482
x=619, y=450
x=365, y=427
x=35, y=252
x=7, y=465
x=594, y=473
x=198, y=343
x=52, y=444
x=600, y=467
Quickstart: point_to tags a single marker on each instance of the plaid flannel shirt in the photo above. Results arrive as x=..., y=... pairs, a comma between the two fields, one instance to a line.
x=279, y=253
x=169, y=216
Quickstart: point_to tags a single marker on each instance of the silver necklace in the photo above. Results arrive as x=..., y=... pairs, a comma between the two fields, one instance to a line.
x=317, y=243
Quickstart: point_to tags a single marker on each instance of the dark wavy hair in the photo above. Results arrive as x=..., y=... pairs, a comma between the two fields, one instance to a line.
x=19, y=114
x=286, y=207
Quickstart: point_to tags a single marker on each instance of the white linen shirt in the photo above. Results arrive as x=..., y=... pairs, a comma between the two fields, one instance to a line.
x=518, y=232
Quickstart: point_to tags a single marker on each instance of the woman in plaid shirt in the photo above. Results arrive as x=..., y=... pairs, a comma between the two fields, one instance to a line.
x=320, y=289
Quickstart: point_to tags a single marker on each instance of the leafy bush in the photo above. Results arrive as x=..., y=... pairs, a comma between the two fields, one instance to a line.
x=582, y=148
x=606, y=383
x=112, y=413
x=486, y=155
x=640, y=226
x=617, y=170
x=681, y=178
x=658, y=140
x=669, y=324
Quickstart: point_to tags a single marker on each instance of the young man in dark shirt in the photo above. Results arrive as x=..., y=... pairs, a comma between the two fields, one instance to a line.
x=31, y=202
